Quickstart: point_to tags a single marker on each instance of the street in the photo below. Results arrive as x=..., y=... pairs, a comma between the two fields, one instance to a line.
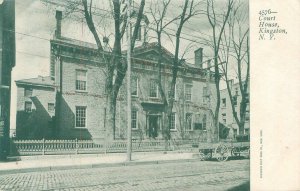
x=197, y=175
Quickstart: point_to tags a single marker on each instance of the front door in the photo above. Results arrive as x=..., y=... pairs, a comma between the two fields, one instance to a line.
x=153, y=126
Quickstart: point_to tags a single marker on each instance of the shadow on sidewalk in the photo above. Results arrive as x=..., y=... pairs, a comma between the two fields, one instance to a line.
x=243, y=187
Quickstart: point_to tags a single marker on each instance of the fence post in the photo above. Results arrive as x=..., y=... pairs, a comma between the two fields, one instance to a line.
x=76, y=141
x=43, y=146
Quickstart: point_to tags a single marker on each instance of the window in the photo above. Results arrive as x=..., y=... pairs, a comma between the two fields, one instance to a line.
x=247, y=98
x=234, y=100
x=28, y=92
x=173, y=121
x=205, y=95
x=247, y=131
x=134, y=87
x=204, y=122
x=236, y=91
x=81, y=80
x=197, y=122
x=247, y=116
x=224, y=102
x=188, y=92
x=188, y=119
x=224, y=117
x=153, y=88
x=134, y=120
x=80, y=116
x=28, y=105
x=51, y=107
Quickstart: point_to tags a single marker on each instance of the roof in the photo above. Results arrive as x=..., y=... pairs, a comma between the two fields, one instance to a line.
x=146, y=47
x=151, y=46
x=42, y=81
x=76, y=42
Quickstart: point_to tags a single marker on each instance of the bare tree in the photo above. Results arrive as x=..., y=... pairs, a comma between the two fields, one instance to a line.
x=217, y=22
x=116, y=65
x=238, y=38
x=188, y=11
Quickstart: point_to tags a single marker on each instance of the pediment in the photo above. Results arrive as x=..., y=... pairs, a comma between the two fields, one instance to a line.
x=152, y=55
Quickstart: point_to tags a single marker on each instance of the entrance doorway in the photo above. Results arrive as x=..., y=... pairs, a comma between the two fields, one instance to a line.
x=153, y=125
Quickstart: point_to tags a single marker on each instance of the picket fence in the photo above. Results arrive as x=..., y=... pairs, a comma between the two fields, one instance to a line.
x=55, y=147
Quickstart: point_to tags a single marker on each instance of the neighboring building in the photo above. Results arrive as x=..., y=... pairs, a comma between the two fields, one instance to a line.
x=35, y=108
x=226, y=114
x=78, y=73
x=7, y=62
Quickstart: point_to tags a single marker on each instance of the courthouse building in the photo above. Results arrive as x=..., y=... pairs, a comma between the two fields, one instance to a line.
x=76, y=89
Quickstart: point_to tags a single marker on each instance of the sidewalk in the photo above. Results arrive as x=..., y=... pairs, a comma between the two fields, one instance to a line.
x=59, y=162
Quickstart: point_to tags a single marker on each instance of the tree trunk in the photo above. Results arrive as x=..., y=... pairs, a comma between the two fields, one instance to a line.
x=215, y=129
x=243, y=107
x=110, y=116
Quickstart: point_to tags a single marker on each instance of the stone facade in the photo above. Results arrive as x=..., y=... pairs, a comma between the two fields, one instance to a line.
x=77, y=70
x=68, y=57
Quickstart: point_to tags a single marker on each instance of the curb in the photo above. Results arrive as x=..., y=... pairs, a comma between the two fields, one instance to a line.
x=95, y=165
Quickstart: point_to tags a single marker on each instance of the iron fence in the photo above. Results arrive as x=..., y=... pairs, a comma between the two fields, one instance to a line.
x=55, y=147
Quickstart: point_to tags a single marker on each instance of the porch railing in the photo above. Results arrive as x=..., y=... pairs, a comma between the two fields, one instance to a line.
x=54, y=147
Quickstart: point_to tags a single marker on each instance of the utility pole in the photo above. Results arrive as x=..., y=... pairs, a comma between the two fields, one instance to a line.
x=207, y=96
x=128, y=32
x=7, y=62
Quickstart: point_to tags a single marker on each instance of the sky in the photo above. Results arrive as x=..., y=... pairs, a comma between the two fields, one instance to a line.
x=35, y=26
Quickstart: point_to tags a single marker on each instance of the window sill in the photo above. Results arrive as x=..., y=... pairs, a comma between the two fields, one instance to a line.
x=134, y=129
x=81, y=91
x=200, y=130
x=153, y=97
x=173, y=130
x=80, y=128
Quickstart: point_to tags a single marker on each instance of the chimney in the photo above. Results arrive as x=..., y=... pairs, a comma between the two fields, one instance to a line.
x=199, y=57
x=58, y=17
